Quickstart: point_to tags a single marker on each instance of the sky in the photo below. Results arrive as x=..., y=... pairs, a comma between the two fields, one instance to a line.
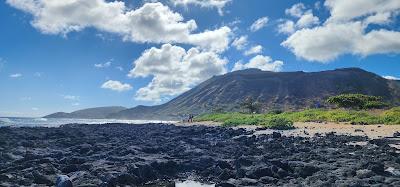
x=73, y=54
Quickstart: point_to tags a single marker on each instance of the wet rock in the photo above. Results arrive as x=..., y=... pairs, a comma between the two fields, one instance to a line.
x=376, y=167
x=41, y=179
x=364, y=173
x=144, y=171
x=396, y=134
x=260, y=172
x=70, y=168
x=225, y=184
x=248, y=182
x=135, y=155
x=63, y=181
x=226, y=174
x=127, y=179
x=358, y=130
x=276, y=135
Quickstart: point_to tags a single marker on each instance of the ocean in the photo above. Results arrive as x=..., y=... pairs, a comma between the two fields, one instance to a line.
x=56, y=122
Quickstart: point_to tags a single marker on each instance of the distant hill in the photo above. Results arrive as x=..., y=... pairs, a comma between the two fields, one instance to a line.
x=90, y=113
x=275, y=90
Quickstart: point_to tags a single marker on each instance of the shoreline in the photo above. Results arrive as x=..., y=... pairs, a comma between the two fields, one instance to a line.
x=310, y=129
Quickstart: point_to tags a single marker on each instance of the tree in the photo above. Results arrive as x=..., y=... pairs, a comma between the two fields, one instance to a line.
x=357, y=101
x=251, y=105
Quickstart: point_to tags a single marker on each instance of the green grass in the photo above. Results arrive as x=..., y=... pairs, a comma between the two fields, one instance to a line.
x=285, y=120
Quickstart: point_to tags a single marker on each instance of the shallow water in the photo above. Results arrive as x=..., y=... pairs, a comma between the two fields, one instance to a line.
x=56, y=122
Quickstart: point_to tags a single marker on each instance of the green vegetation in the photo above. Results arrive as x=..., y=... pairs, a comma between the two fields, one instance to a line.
x=284, y=120
x=250, y=105
x=357, y=101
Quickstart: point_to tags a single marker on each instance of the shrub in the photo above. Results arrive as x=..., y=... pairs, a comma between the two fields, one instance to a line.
x=357, y=101
x=392, y=116
x=250, y=105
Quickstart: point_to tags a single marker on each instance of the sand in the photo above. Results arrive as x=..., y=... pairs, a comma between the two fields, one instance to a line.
x=308, y=129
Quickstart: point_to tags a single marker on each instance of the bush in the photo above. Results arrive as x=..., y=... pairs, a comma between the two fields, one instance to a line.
x=278, y=124
x=391, y=116
x=357, y=101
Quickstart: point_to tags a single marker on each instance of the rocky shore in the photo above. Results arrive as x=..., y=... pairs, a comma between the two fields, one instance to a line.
x=158, y=154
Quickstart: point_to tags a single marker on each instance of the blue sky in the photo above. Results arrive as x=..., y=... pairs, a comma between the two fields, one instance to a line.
x=69, y=55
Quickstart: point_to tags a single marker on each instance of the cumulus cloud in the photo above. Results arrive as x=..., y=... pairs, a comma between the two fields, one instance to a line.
x=151, y=23
x=16, y=75
x=264, y=63
x=103, y=65
x=391, y=77
x=254, y=50
x=259, y=24
x=305, y=19
x=347, y=31
x=344, y=10
x=174, y=70
x=218, y=4
x=240, y=43
x=116, y=86
x=296, y=10
x=286, y=27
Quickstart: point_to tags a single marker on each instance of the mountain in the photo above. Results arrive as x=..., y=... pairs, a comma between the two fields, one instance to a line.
x=275, y=90
x=90, y=113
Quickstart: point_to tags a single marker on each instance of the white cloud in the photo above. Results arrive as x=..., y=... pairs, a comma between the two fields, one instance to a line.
x=174, y=70
x=35, y=109
x=75, y=104
x=264, y=63
x=345, y=32
x=307, y=20
x=254, y=50
x=219, y=4
x=259, y=24
x=116, y=86
x=296, y=10
x=151, y=23
x=70, y=97
x=103, y=65
x=391, y=77
x=344, y=10
x=16, y=75
x=286, y=27
x=240, y=43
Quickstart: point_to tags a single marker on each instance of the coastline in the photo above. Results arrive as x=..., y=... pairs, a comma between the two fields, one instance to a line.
x=156, y=154
x=310, y=129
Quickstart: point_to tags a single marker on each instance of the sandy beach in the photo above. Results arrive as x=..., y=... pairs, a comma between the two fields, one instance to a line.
x=309, y=129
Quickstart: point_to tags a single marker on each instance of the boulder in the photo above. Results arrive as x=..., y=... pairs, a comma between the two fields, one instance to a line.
x=63, y=181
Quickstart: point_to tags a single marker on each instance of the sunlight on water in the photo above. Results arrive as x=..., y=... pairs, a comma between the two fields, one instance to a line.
x=192, y=184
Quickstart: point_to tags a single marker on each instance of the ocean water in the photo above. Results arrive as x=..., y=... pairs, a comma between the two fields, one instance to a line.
x=56, y=122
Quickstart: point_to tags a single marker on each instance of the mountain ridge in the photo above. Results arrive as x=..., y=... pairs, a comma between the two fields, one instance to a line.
x=89, y=113
x=275, y=90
